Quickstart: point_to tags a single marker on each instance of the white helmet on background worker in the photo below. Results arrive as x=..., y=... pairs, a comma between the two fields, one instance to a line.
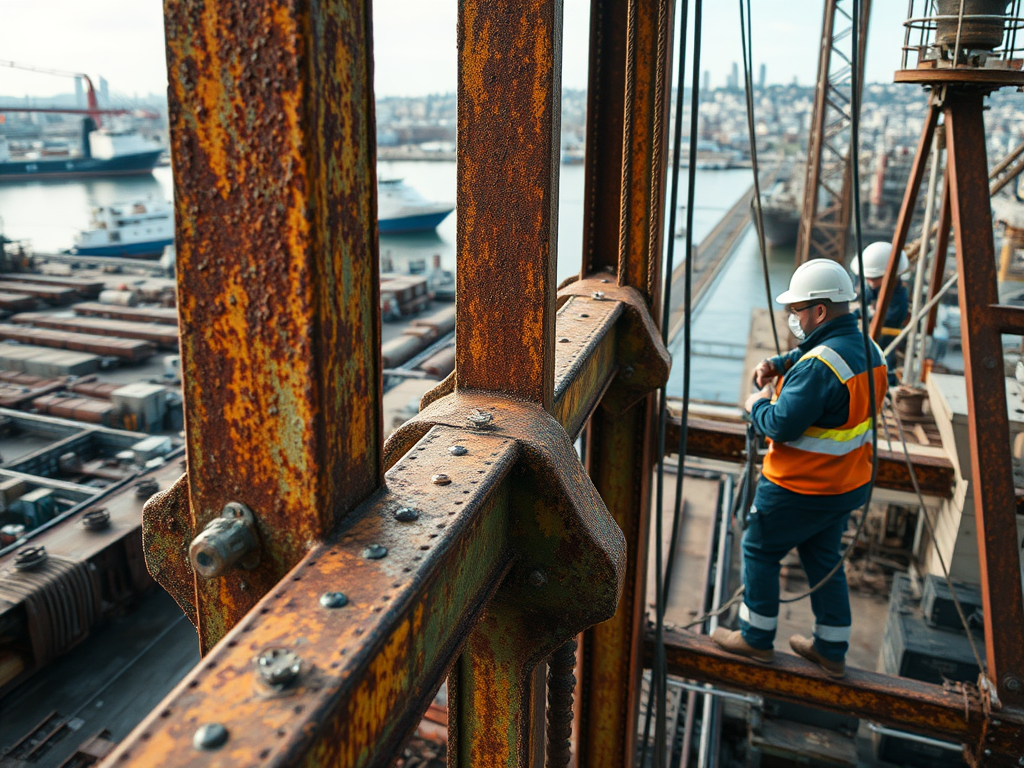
x=819, y=280
x=876, y=259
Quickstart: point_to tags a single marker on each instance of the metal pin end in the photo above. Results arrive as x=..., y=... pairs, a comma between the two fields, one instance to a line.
x=480, y=419
x=597, y=295
x=333, y=600
x=96, y=519
x=30, y=558
x=210, y=736
x=407, y=515
x=604, y=279
x=537, y=579
x=375, y=552
x=227, y=541
x=440, y=479
x=278, y=667
x=458, y=450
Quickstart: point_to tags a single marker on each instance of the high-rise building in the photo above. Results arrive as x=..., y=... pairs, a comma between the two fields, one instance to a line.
x=79, y=94
x=707, y=80
x=734, y=77
x=104, y=93
x=762, y=78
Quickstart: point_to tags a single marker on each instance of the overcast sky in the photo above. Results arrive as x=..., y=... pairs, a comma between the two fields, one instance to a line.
x=122, y=40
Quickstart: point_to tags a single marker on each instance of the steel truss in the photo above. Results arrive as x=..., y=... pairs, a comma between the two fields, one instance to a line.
x=471, y=545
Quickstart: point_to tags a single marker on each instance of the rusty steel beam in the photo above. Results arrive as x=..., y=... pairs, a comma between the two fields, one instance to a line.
x=273, y=144
x=627, y=126
x=991, y=462
x=606, y=87
x=726, y=441
x=375, y=617
x=508, y=159
x=895, y=701
x=904, y=219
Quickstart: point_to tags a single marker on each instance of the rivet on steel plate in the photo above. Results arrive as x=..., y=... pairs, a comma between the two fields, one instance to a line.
x=210, y=736
x=227, y=541
x=146, y=488
x=988, y=753
x=97, y=519
x=597, y=295
x=1012, y=683
x=990, y=363
x=407, y=515
x=333, y=600
x=30, y=558
x=375, y=552
x=563, y=340
x=627, y=372
x=458, y=450
x=278, y=667
x=604, y=279
x=440, y=479
x=584, y=314
x=480, y=419
x=537, y=579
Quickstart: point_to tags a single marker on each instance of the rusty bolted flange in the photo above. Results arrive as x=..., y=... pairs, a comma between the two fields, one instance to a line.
x=561, y=527
x=641, y=356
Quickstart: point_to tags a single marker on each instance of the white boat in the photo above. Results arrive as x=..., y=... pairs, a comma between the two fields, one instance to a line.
x=138, y=229
x=401, y=209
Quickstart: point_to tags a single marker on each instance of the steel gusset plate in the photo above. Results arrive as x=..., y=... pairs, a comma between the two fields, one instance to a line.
x=485, y=519
x=167, y=530
x=642, y=359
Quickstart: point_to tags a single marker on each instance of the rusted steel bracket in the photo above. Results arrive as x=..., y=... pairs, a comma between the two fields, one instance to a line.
x=642, y=358
x=166, y=534
x=475, y=527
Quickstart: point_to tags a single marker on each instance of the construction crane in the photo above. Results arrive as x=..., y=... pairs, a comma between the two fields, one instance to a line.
x=825, y=216
x=93, y=110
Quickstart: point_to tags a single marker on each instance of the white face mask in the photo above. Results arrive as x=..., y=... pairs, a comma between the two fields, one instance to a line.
x=794, y=326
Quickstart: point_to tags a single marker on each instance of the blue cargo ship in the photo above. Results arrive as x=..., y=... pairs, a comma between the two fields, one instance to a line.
x=103, y=153
x=401, y=209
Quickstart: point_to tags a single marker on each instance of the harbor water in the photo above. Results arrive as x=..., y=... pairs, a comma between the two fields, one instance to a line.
x=50, y=213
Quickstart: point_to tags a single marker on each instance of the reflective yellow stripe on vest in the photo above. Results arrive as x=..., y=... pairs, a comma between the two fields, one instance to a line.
x=831, y=358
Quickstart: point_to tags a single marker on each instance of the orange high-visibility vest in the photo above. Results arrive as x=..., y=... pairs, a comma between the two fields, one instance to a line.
x=824, y=462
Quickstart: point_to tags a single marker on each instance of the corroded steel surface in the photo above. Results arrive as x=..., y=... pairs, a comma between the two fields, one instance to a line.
x=904, y=218
x=605, y=107
x=726, y=441
x=561, y=683
x=991, y=461
x=272, y=131
x=370, y=667
x=941, y=249
x=508, y=150
x=166, y=529
x=897, y=701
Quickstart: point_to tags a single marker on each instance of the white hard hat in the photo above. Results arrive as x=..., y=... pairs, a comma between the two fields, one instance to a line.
x=819, y=279
x=876, y=259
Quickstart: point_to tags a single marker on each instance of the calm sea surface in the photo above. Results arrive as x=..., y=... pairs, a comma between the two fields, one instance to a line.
x=50, y=213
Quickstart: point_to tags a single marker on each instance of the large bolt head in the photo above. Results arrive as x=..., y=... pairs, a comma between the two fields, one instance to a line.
x=278, y=667
x=210, y=736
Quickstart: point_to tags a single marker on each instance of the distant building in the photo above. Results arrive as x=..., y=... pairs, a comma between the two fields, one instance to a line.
x=733, y=83
x=104, y=93
x=707, y=80
x=79, y=94
x=762, y=78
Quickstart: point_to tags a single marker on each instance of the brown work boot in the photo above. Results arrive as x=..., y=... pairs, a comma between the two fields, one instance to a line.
x=805, y=647
x=733, y=642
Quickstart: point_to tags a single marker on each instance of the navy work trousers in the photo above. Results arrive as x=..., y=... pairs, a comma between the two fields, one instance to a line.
x=817, y=536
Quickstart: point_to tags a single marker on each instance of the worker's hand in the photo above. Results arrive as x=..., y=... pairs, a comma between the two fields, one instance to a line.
x=764, y=394
x=764, y=373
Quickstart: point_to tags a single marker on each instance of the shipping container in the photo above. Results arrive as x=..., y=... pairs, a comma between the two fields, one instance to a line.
x=400, y=349
x=164, y=315
x=133, y=350
x=81, y=285
x=162, y=335
x=51, y=294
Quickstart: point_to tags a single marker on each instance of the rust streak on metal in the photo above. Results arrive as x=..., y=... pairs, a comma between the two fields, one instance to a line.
x=508, y=147
x=271, y=113
x=991, y=462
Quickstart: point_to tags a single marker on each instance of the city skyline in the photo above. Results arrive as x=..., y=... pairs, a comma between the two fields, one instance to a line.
x=122, y=41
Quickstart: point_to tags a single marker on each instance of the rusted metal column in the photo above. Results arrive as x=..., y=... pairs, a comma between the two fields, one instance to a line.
x=605, y=99
x=508, y=160
x=510, y=58
x=991, y=463
x=903, y=220
x=272, y=133
x=631, y=50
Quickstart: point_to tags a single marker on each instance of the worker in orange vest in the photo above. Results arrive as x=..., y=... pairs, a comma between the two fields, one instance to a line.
x=814, y=409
